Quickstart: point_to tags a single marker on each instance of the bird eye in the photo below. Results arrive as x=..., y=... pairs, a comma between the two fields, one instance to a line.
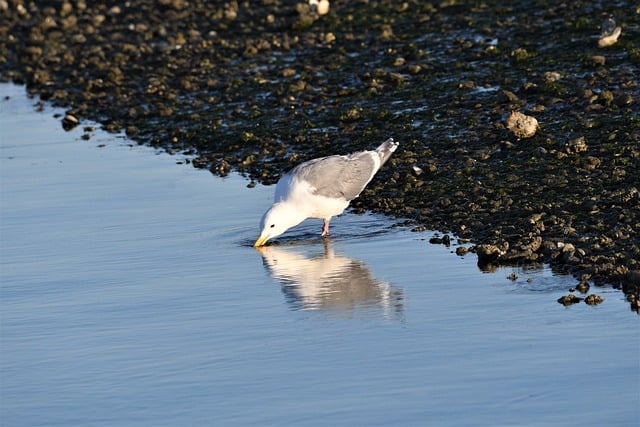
x=273, y=225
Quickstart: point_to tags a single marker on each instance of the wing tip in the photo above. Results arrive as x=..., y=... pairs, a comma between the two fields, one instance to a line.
x=389, y=146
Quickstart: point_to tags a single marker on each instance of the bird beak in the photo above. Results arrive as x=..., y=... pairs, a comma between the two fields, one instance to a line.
x=261, y=241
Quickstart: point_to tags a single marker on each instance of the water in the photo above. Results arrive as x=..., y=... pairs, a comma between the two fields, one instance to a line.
x=131, y=295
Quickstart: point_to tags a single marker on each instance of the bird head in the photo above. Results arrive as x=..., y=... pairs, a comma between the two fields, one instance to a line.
x=277, y=220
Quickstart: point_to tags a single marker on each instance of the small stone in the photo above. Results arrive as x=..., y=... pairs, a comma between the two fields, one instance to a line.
x=488, y=253
x=583, y=287
x=552, y=76
x=512, y=97
x=288, y=72
x=521, y=125
x=540, y=151
x=567, y=252
x=400, y=61
x=535, y=218
x=569, y=299
x=461, y=251
x=415, y=68
x=69, y=122
x=321, y=6
x=594, y=299
x=444, y=240
x=610, y=33
x=576, y=145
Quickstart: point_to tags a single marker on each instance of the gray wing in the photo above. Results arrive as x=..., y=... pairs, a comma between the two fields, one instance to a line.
x=338, y=176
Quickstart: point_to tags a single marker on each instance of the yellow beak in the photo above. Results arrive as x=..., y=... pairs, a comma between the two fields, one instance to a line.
x=261, y=241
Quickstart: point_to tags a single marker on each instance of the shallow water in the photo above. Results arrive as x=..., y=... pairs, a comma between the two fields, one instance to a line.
x=131, y=295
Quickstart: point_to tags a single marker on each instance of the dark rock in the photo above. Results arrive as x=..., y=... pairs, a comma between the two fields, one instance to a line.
x=488, y=254
x=569, y=299
x=583, y=287
x=593, y=299
x=69, y=122
x=461, y=251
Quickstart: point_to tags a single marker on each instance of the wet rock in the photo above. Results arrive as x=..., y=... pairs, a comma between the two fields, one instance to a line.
x=444, y=240
x=540, y=151
x=569, y=299
x=583, y=287
x=533, y=245
x=461, y=251
x=552, y=76
x=69, y=122
x=576, y=145
x=520, y=54
x=521, y=125
x=488, y=254
x=221, y=167
x=566, y=252
x=320, y=6
x=610, y=33
x=511, y=97
x=594, y=299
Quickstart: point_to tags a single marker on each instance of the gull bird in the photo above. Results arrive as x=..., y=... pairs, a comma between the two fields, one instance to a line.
x=321, y=188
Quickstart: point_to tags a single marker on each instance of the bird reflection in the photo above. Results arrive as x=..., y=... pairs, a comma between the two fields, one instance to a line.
x=330, y=282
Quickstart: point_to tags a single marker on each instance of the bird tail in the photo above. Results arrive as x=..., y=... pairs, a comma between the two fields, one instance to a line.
x=386, y=150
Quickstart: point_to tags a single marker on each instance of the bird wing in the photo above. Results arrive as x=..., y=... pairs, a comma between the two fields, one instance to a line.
x=338, y=176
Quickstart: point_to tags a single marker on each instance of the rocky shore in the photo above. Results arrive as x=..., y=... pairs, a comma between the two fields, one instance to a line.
x=260, y=86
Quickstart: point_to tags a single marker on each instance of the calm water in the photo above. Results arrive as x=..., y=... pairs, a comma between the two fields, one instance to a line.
x=131, y=295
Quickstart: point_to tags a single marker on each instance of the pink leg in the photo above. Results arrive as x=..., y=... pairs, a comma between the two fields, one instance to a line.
x=325, y=228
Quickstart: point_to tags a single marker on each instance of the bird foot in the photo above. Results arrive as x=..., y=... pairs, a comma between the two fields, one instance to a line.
x=325, y=229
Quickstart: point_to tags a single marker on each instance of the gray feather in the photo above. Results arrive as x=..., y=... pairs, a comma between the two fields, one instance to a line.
x=337, y=176
x=340, y=176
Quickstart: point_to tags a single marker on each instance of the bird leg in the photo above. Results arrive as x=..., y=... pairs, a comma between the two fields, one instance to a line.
x=325, y=228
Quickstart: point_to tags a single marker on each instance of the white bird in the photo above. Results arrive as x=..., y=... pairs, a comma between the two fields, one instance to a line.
x=321, y=188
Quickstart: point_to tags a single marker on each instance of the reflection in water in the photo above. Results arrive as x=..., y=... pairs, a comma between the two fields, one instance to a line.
x=330, y=282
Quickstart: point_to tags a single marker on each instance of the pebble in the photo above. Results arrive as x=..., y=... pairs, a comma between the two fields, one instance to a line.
x=69, y=122
x=576, y=145
x=321, y=6
x=583, y=287
x=461, y=251
x=569, y=299
x=610, y=33
x=593, y=299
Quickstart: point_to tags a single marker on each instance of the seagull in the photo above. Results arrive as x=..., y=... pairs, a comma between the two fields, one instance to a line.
x=321, y=188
